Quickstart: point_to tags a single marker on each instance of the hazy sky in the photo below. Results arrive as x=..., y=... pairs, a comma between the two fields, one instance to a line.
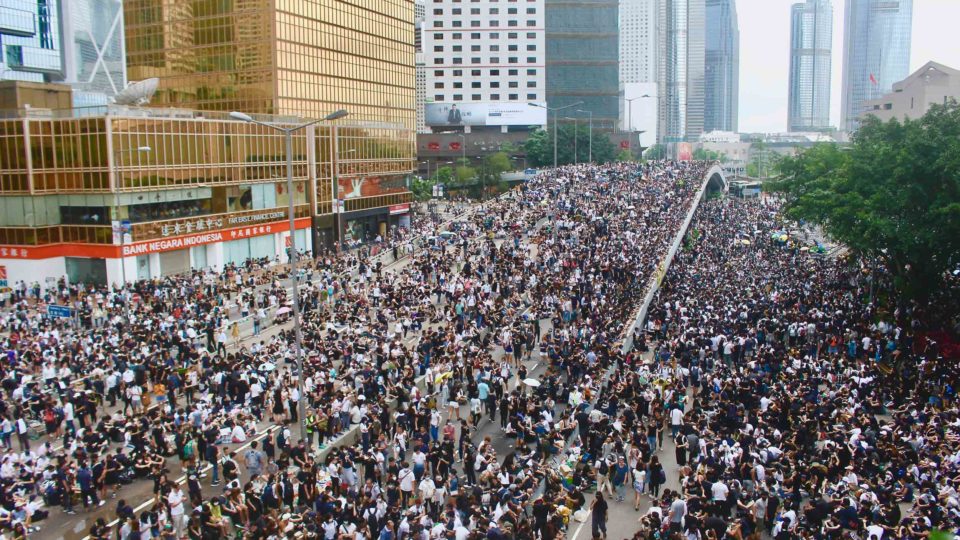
x=765, y=54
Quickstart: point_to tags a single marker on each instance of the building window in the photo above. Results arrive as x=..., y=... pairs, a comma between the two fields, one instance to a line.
x=458, y=48
x=475, y=48
x=531, y=22
x=457, y=35
x=532, y=72
x=438, y=73
x=512, y=35
x=531, y=84
x=476, y=97
x=475, y=24
x=475, y=73
x=475, y=84
x=512, y=48
x=512, y=97
x=494, y=59
x=512, y=73
x=531, y=35
x=495, y=84
x=438, y=37
x=474, y=11
x=457, y=24
x=458, y=85
x=475, y=60
x=438, y=48
x=438, y=24
x=457, y=97
x=531, y=47
x=512, y=11
x=494, y=72
x=531, y=11
x=513, y=84
x=494, y=23
x=494, y=48
x=437, y=61
x=438, y=12
x=494, y=97
x=512, y=60
x=475, y=35
x=458, y=60
x=511, y=23
x=438, y=85
x=494, y=35
x=457, y=11
x=458, y=73
x=531, y=59
x=531, y=96
x=438, y=97
x=494, y=11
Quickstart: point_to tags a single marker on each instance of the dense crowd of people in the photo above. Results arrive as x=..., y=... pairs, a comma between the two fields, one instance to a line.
x=478, y=388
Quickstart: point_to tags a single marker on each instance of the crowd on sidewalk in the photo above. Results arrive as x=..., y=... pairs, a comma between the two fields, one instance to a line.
x=158, y=380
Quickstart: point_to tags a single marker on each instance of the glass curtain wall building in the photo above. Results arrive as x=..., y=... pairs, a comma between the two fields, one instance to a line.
x=811, y=44
x=721, y=66
x=681, y=42
x=77, y=42
x=582, y=40
x=876, y=53
x=295, y=58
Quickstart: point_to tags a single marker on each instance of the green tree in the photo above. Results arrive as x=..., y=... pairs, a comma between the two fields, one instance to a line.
x=894, y=195
x=422, y=189
x=539, y=146
x=707, y=155
x=463, y=174
x=657, y=151
x=443, y=175
x=625, y=155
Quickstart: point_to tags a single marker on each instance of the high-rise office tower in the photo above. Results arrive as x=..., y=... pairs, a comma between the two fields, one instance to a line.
x=721, y=66
x=484, y=52
x=876, y=53
x=583, y=57
x=419, y=19
x=76, y=42
x=681, y=36
x=287, y=57
x=811, y=42
x=638, y=41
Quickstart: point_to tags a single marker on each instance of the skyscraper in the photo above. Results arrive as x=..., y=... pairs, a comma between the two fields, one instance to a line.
x=638, y=41
x=582, y=40
x=876, y=52
x=811, y=42
x=721, y=66
x=681, y=34
x=77, y=42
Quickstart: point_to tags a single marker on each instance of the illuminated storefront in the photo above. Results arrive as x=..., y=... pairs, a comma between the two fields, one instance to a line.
x=96, y=194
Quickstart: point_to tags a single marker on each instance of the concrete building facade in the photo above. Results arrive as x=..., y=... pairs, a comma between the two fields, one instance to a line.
x=932, y=84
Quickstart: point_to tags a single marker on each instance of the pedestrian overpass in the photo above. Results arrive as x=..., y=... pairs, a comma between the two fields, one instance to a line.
x=714, y=181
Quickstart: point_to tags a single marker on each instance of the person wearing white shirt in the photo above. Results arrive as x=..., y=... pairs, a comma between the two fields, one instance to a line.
x=175, y=501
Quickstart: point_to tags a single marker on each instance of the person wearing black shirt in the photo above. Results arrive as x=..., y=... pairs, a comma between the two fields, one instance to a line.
x=599, y=522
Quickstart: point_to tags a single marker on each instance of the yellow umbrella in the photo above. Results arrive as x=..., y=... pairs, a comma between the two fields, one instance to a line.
x=442, y=377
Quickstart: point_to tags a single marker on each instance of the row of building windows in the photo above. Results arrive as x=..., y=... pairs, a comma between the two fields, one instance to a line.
x=492, y=35
x=478, y=24
x=477, y=60
x=531, y=72
x=492, y=11
x=493, y=84
x=479, y=97
x=532, y=47
x=478, y=1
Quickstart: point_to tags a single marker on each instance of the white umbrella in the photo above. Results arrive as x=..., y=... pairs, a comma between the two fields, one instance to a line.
x=531, y=382
x=283, y=310
x=267, y=366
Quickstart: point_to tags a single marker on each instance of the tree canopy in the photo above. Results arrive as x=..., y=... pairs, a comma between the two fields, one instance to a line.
x=894, y=194
x=539, y=146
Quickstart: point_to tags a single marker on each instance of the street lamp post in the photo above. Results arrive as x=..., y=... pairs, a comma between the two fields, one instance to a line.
x=288, y=135
x=554, y=110
x=630, y=111
x=590, y=158
x=123, y=233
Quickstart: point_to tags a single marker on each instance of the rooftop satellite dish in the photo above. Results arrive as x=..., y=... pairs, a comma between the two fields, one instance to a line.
x=138, y=93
